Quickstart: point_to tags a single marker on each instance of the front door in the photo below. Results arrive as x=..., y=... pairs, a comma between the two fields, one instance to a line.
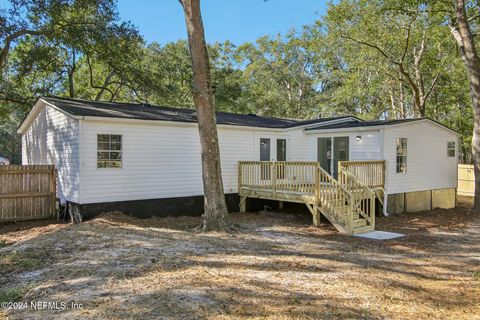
x=324, y=153
x=265, y=149
x=272, y=149
x=340, y=153
x=330, y=151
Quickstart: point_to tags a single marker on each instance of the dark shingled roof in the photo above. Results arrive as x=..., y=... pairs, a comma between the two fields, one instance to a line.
x=78, y=107
x=372, y=123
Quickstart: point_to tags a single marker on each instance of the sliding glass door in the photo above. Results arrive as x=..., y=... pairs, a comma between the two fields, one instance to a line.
x=330, y=150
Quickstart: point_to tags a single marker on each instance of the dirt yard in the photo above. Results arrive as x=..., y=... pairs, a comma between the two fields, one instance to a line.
x=275, y=267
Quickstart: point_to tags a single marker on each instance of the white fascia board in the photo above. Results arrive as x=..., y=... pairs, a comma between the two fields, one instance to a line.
x=352, y=129
x=313, y=125
x=175, y=123
x=368, y=128
x=427, y=120
x=32, y=114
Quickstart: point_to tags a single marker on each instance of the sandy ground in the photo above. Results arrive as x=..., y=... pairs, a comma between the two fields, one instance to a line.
x=275, y=267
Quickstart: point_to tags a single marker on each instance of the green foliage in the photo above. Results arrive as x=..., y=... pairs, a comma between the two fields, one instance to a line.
x=11, y=295
x=371, y=58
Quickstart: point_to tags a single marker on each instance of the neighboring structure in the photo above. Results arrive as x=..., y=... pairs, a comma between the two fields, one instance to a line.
x=145, y=159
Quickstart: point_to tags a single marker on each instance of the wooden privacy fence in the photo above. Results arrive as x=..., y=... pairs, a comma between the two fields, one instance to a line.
x=27, y=192
x=466, y=180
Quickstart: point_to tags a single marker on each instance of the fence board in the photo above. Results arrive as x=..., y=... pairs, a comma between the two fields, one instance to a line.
x=466, y=180
x=27, y=192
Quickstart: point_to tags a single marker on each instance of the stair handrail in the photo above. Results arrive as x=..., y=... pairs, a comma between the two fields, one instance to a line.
x=357, y=181
x=335, y=181
x=370, y=215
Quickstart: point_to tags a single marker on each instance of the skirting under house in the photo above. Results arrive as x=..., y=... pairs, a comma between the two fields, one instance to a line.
x=422, y=200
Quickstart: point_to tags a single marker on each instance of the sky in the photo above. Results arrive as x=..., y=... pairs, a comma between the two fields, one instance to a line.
x=236, y=20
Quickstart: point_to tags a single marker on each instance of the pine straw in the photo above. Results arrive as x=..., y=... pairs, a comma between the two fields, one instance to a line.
x=276, y=267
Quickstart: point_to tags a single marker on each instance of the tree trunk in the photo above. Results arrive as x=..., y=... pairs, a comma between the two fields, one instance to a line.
x=216, y=214
x=465, y=41
x=71, y=72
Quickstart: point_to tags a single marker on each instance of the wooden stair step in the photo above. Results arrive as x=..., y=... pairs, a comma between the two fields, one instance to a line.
x=359, y=222
x=341, y=209
x=364, y=229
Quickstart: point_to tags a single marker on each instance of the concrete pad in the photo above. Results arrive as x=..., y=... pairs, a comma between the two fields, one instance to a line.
x=379, y=235
x=443, y=198
x=418, y=201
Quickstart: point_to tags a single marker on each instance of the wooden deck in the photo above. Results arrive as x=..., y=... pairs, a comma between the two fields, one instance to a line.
x=347, y=203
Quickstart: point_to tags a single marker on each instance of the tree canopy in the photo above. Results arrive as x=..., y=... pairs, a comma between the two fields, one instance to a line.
x=369, y=58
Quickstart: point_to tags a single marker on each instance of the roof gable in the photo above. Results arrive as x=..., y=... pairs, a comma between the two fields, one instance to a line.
x=376, y=123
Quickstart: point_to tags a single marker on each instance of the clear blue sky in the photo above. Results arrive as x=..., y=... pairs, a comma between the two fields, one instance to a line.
x=236, y=20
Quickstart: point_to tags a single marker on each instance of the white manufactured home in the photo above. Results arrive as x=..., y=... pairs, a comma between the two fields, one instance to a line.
x=145, y=159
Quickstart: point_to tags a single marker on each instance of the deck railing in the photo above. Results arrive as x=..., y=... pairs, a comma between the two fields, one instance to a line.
x=369, y=173
x=278, y=175
x=363, y=198
x=342, y=201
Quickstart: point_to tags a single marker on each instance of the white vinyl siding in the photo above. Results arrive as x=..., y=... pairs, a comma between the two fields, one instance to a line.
x=369, y=147
x=160, y=160
x=52, y=138
x=428, y=165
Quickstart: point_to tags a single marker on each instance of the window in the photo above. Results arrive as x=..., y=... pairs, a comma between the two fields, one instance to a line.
x=401, y=155
x=109, y=151
x=451, y=149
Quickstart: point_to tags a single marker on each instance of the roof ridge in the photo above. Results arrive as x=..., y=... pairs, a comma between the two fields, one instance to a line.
x=107, y=109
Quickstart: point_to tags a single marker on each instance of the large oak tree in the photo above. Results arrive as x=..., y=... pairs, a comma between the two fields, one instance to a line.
x=216, y=214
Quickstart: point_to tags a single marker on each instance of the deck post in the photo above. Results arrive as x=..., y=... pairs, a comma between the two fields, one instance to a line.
x=243, y=204
x=317, y=217
x=273, y=177
x=372, y=211
x=280, y=205
x=243, y=199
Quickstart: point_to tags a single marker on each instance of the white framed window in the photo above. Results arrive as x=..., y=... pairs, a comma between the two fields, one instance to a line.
x=451, y=149
x=109, y=151
x=401, y=155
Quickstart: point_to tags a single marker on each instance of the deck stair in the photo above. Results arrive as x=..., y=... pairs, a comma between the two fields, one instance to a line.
x=347, y=203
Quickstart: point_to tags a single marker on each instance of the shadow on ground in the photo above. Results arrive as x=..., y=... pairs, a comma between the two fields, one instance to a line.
x=276, y=266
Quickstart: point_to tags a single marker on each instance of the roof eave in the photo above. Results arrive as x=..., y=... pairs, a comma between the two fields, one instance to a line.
x=35, y=110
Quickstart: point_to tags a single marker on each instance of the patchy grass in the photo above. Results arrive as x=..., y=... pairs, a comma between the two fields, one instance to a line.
x=276, y=267
x=24, y=260
x=11, y=295
x=476, y=275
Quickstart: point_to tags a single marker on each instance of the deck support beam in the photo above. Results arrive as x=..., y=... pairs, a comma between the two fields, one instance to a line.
x=243, y=204
x=317, y=216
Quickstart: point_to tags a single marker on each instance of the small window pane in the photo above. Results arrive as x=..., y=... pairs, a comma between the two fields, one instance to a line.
x=103, y=138
x=102, y=164
x=104, y=146
x=401, y=163
x=115, y=156
x=115, y=146
x=109, y=151
x=451, y=149
x=115, y=164
x=116, y=138
x=103, y=155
